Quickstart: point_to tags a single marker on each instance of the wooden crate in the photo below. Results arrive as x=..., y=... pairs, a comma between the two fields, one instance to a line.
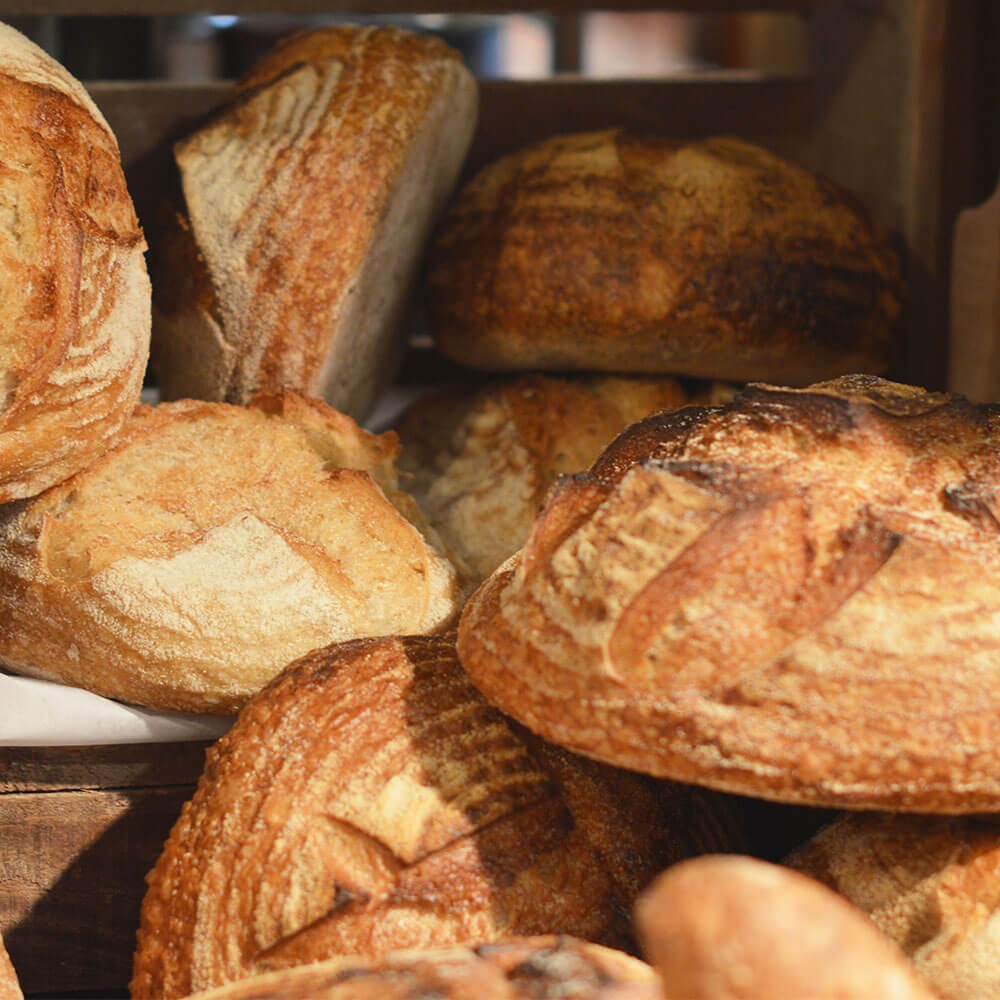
x=886, y=109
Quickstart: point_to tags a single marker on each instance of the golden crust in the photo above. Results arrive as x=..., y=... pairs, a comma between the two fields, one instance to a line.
x=734, y=928
x=539, y=968
x=716, y=259
x=369, y=800
x=308, y=199
x=209, y=547
x=74, y=294
x=931, y=884
x=10, y=988
x=791, y=597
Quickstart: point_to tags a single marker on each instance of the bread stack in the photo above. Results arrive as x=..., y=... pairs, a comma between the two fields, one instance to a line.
x=788, y=592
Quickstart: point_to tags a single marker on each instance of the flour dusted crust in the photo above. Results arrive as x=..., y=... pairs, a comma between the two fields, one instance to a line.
x=931, y=884
x=10, y=989
x=795, y=596
x=307, y=203
x=74, y=294
x=539, y=968
x=480, y=461
x=605, y=251
x=211, y=546
x=370, y=800
x=734, y=928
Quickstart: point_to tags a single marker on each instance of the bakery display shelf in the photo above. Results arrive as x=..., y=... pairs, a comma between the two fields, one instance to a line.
x=886, y=110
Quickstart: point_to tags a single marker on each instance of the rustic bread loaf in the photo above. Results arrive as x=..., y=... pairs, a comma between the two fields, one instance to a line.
x=610, y=252
x=307, y=203
x=209, y=547
x=74, y=295
x=793, y=596
x=10, y=988
x=481, y=460
x=370, y=800
x=540, y=968
x=932, y=884
x=734, y=928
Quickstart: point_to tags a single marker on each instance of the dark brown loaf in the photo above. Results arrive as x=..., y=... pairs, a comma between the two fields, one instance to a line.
x=794, y=596
x=544, y=968
x=609, y=252
x=931, y=884
x=74, y=295
x=370, y=800
x=308, y=200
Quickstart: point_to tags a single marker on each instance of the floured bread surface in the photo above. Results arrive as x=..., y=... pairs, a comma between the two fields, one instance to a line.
x=795, y=596
x=604, y=251
x=209, y=548
x=74, y=294
x=369, y=800
x=539, y=968
x=308, y=201
x=931, y=884
x=10, y=988
x=480, y=461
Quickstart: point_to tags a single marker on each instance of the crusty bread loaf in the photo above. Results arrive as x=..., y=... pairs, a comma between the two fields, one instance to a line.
x=793, y=596
x=10, y=988
x=733, y=928
x=540, y=968
x=608, y=252
x=307, y=203
x=208, y=548
x=932, y=884
x=480, y=461
x=370, y=800
x=74, y=295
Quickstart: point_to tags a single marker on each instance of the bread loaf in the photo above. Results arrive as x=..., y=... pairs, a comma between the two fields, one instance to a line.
x=369, y=800
x=793, y=596
x=931, y=884
x=10, y=989
x=609, y=252
x=74, y=294
x=208, y=548
x=733, y=928
x=542, y=968
x=480, y=461
x=307, y=203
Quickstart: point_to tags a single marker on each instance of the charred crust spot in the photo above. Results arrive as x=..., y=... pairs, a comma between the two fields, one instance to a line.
x=972, y=501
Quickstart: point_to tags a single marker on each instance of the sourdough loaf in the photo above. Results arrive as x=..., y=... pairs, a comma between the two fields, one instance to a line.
x=540, y=968
x=307, y=203
x=370, y=800
x=480, y=461
x=74, y=294
x=733, y=928
x=610, y=252
x=793, y=596
x=208, y=548
x=931, y=884
x=10, y=988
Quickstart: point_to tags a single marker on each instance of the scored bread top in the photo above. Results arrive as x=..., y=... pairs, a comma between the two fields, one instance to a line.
x=793, y=596
x=210, y=547
x=74, y=294
x=538, y=968
x=369, y=800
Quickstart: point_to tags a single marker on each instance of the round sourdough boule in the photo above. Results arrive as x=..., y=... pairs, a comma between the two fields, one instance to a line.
x=795, y=597
x=370, y=800
x=308, y=200
x=931, y=884
x=734, y=928
x=540, y=968
x=208, y=548
x=74, y=294
x=10, y=988
x=609, y=252
x=480, y=461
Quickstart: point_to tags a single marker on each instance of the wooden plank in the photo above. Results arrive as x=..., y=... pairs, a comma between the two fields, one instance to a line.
x=72, y=878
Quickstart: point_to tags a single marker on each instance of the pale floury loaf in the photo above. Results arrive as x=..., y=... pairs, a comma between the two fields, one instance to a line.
x=794, y=596
x=10, y=989
x=307, y=203
x=208, y=548
x=74, y=294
